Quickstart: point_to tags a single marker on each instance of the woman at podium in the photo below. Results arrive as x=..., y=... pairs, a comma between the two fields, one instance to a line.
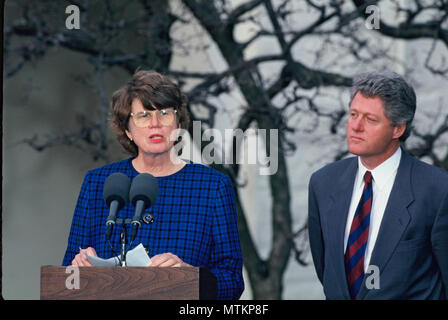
x=194, y=215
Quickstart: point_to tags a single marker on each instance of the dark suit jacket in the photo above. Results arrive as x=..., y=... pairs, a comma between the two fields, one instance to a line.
x=411, y=250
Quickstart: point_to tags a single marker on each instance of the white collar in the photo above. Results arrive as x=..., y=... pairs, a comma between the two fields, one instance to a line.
x=383, y=172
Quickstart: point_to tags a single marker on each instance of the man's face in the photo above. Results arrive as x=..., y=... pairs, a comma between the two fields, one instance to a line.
x=370, y=133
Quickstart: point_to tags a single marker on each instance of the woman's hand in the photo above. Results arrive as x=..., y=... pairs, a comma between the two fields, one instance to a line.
x=167, y=260
x=81, y=260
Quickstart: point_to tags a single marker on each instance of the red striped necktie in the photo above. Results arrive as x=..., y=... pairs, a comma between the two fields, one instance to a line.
x=357, y=240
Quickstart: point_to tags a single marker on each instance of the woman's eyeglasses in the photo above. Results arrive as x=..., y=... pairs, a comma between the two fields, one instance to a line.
x=144, y=118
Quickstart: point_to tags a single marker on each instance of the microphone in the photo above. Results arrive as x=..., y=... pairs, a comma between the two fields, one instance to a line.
x=116, y=196
x=143, y=194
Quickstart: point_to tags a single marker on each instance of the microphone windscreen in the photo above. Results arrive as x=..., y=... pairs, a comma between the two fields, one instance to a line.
x=116, y=187
x=144, y=187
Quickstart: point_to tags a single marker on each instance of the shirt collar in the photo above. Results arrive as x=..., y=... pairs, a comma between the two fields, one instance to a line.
x=383, y=172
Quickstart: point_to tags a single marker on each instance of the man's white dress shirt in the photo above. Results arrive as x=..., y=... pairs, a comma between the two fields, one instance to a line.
x=382, y=182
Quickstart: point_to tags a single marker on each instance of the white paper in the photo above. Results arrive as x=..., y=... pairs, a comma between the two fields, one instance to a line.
x=136, y=257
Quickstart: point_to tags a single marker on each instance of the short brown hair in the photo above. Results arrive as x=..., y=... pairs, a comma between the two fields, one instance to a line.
x=154, y=90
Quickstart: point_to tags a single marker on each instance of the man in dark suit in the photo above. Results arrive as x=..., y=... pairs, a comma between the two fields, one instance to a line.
x=378, y=222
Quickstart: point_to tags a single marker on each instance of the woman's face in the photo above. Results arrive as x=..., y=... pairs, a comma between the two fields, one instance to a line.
x=155, y=137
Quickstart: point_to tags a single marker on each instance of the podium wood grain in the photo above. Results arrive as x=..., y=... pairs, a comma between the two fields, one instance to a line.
x=113, y=283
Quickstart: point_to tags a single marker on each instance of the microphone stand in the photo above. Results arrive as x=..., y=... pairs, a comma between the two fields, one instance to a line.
x=148, y=219
x=123, y=240
x=123, y=245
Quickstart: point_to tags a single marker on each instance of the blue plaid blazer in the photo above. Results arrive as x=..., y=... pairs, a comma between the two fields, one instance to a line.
x=194, y=218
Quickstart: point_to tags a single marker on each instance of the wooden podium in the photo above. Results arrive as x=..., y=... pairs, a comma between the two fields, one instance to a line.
x=126, y=283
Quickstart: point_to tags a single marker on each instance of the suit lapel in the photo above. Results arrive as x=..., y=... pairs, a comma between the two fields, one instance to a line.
x=395, y=218
x=341, y=204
